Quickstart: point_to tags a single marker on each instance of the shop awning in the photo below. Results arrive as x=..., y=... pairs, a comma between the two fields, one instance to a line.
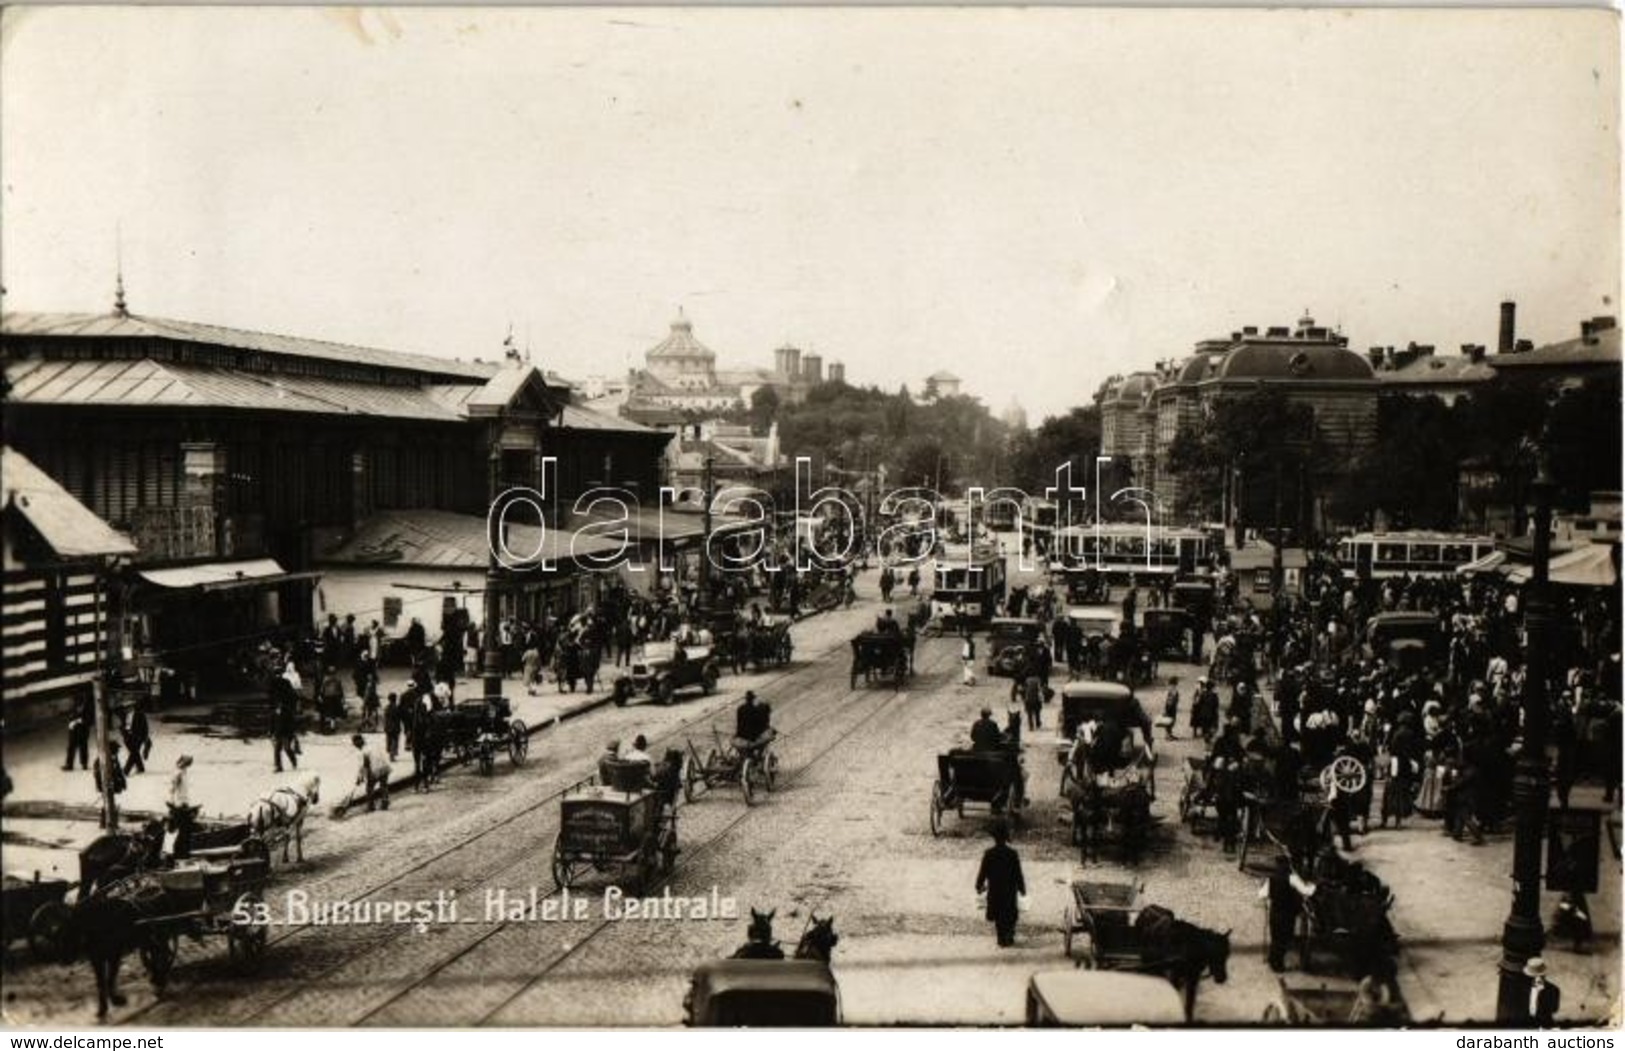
x=223, y=576
x=1490, y=563
x=1591, y=566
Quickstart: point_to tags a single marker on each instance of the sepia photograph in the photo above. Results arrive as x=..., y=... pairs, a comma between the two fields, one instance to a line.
x=881, y=517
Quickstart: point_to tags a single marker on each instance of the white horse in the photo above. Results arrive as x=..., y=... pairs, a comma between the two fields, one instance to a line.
x=280, y=814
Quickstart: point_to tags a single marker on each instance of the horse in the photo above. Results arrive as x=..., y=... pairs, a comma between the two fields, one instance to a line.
x=1181, y=952
x=116, y=855
x=281, y=813
x=760, y=944
x=105, y=928
x=818, y=941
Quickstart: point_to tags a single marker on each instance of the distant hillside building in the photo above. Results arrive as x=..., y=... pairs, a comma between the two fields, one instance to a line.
x=680, y=378
x=942, y=384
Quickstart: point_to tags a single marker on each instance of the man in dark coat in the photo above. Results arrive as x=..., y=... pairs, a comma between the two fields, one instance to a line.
x=1544, y=996
x=1001, y=880
x=80, y=724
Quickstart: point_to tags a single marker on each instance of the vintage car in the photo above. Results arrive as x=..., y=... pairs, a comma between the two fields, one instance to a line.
x=1097, y=621
x=1009, y=642
x=1405, y=640
x=1196, y=595
x=1102, y=998
x=1174, y=633
x=782, y=993
x=663, y=668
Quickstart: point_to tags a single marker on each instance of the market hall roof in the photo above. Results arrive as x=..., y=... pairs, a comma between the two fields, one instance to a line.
x=140, y=327
x=70, y=528
x=680, y=343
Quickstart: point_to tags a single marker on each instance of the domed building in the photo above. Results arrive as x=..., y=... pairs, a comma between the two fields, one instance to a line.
x=1311, y=365
x=680, y=378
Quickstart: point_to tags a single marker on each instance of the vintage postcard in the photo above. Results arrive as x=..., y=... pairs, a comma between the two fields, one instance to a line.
x=600, y=517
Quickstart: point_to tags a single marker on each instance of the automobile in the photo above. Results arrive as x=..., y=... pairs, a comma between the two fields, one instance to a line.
x=1172, y=633
x=1009, y=641
x=1097, y=621
x=1405, y=640
x=1102, y=998
x=662, y=668
x=784, y=993
x=1195, y=595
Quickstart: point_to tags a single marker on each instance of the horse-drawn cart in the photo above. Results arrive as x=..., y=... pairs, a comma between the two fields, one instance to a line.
x=767, y=643
x=754, y=768
x=880, y=656
x=626, y=825
x=32, y=909
x=475, y=731
x=985, y=778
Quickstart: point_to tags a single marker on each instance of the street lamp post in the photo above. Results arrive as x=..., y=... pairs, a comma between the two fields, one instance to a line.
x=491, y=664
x=1522, y=937
x=705, y=535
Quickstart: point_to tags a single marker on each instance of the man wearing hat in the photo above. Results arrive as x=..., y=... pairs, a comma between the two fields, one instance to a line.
x=1001, y=880
x=753, y=721
x=985, y=735
x=1544, y=996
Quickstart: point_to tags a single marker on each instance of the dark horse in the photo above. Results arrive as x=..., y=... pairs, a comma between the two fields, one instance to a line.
x=759, y=944
x=818, y=941
x=116, y=855
x=1181, y=952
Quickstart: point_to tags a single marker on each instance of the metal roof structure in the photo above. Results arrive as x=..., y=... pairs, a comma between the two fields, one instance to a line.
x=135, y=326
x=421, y=537
x=680, y=343
x=70, y=528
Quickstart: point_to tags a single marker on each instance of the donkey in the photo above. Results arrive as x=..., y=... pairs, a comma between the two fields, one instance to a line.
x=1181, y=952
x=280, y=814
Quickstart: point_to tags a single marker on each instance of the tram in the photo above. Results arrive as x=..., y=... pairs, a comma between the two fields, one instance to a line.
x=1378, y=556
x=1120, y=551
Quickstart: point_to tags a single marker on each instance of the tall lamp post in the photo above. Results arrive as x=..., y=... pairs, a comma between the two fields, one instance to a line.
x=705, y=535
x=491, y=664
x=1522, y=937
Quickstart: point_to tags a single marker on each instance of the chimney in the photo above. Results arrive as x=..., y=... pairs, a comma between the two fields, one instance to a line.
x=1602, y=323
x=1588, y=333
x=1476, y=352
x=812, y=367
x=1523, y=346
x=1249, y=330
x=1424, y=350
x=1374, y=355
x=1280, y=332
x=1509, y=328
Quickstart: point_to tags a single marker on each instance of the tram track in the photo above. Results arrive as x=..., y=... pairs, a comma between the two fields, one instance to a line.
x=518, y=858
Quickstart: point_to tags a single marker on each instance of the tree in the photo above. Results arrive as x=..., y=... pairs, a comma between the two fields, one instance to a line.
x=1071, y=438
x=764, y=409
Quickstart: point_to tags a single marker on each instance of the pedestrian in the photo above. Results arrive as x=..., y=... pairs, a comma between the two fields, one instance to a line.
x=967, y=661
x=1170, y=708
x=1544, y=996
x=137, y=734
x=1033, y=699
x=373, y=773
x=1000, y=879
x=117, y=780
x=80, y=722
x=392, y=727
x=1283, y=892
x=284, y=725
x=531, y=666
x=182, y=814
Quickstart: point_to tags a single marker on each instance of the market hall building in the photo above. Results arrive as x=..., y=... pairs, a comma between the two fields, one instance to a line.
x=241, y=464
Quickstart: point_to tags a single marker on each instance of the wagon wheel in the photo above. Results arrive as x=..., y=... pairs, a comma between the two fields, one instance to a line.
x=488, y=758
x=50, y=932
x=158, y=954
x=1346, y=772
x=747, y=774
x=770, y=770
x=708, y=680
x=938, y=805
x=665, y=692
x=691, y=778
x=246, y=941
x=518, y=742
x=562, y=872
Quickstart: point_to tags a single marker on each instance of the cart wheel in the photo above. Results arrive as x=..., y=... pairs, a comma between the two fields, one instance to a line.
x=518, y=742
x=708, y=680
x=691, y=778
x=50, y=933
x=936, y=808
x=158, y=957
x=246, y=941
x=665, y=691
x=561, y=867
x=770, y=769
x=747, y=774
x=488, y=759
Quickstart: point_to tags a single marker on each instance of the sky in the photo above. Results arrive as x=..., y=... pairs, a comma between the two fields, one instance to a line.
x=1033, y=199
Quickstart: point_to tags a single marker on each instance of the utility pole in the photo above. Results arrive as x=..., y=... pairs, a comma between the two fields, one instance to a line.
x=705, y=536
x=491, y=669
x=1523, y=936
x=112, y=657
